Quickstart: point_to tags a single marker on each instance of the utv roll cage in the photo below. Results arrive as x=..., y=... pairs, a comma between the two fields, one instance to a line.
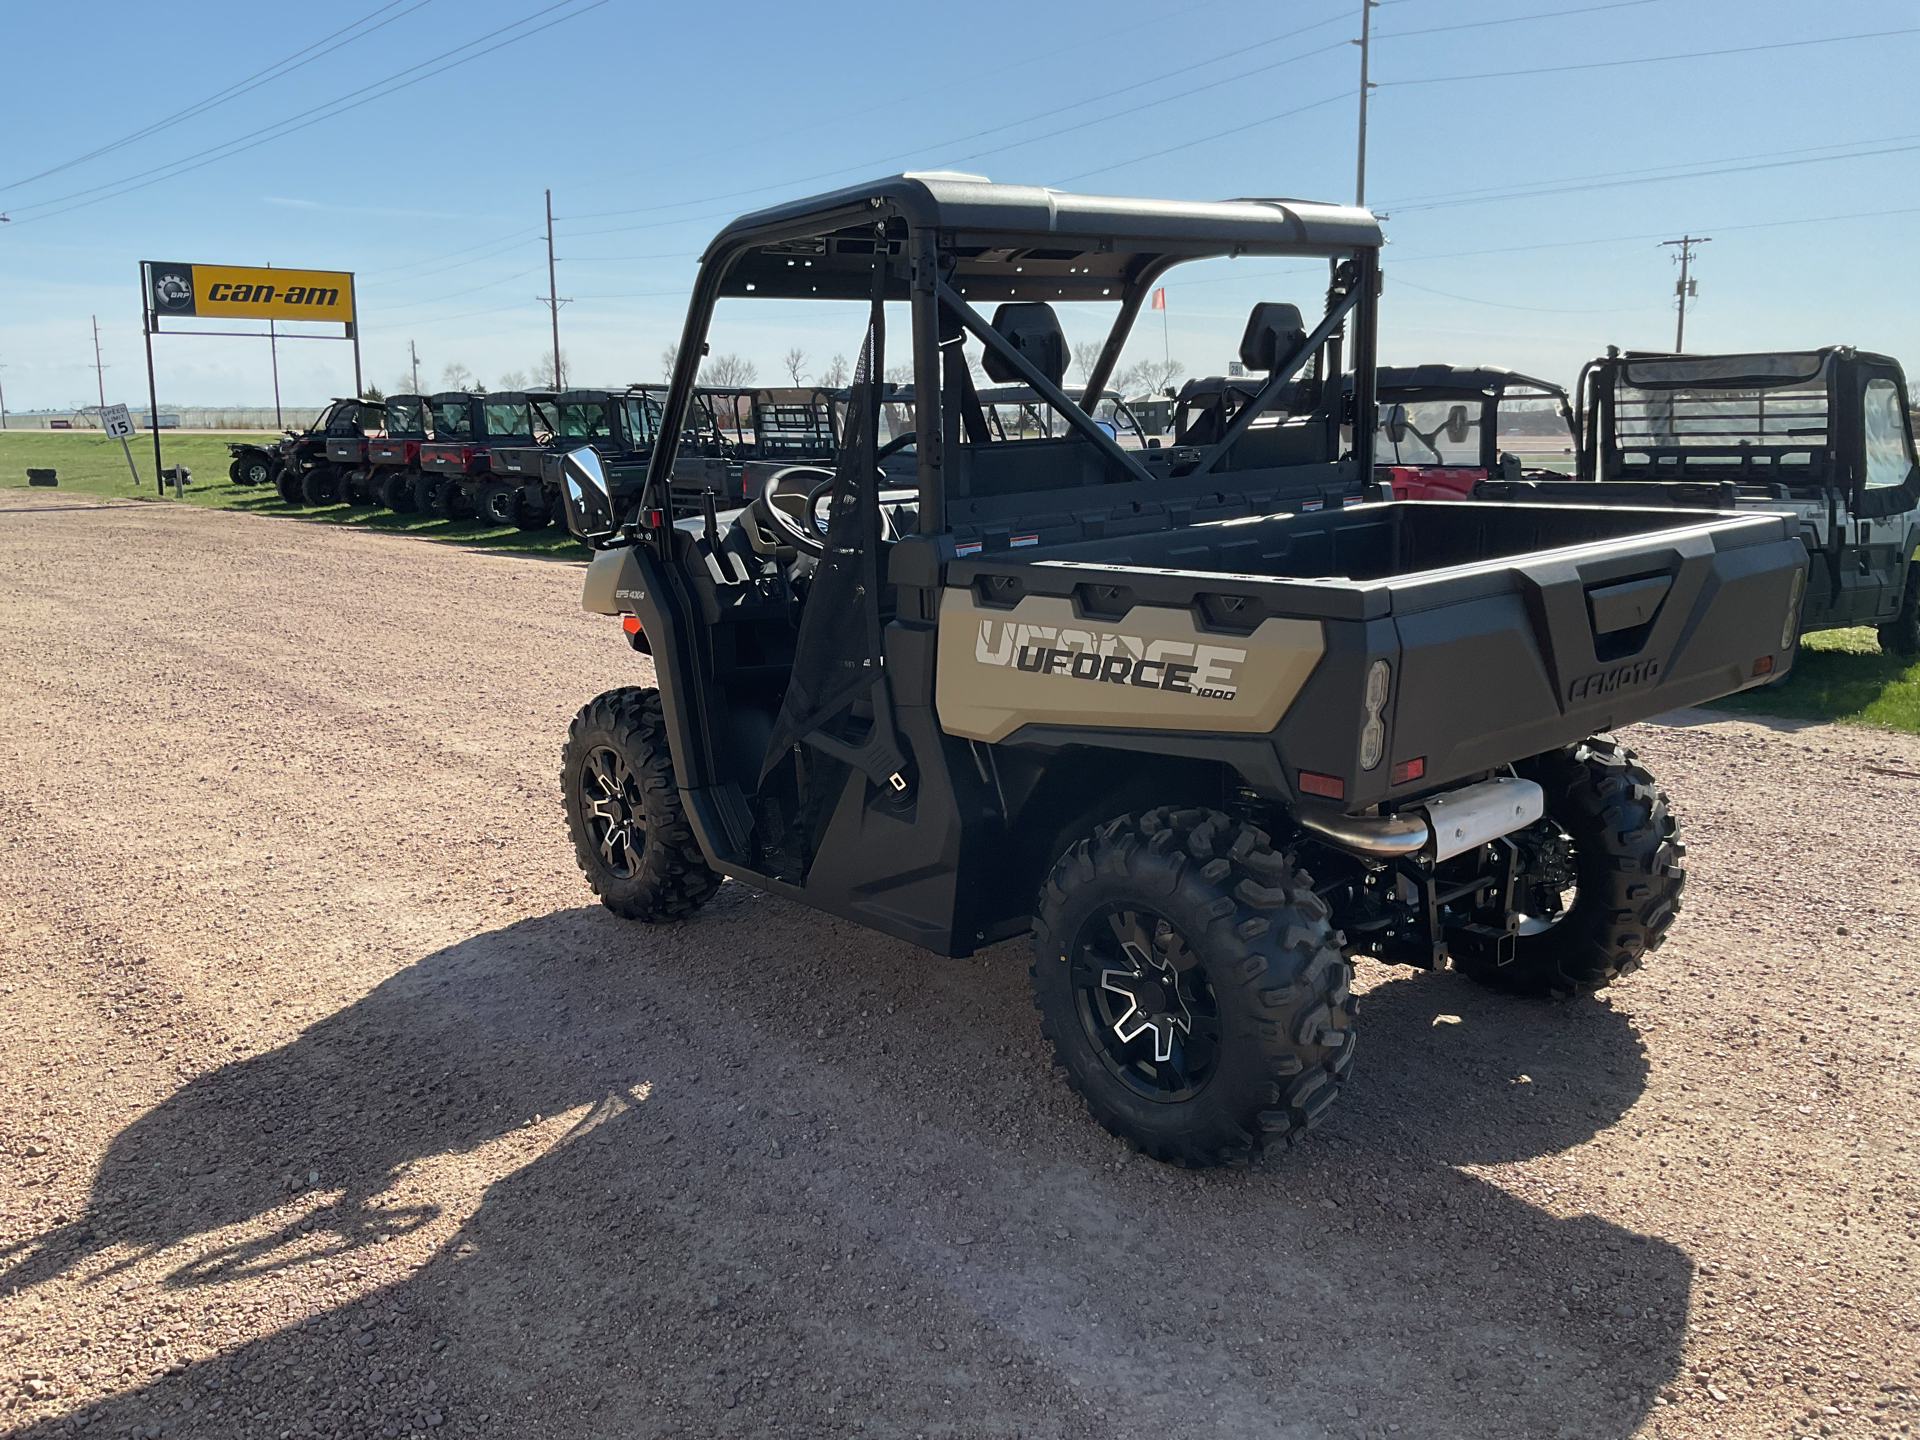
x=1784, y=425
x=1478, y=390
x=946, y=243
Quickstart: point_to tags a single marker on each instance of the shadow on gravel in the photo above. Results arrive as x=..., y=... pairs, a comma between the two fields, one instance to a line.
x=821, y=1183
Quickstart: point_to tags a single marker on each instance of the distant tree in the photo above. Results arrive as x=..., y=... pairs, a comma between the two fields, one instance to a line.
x=544, y=374
x=834, y=377
x=1149, y=376
x=669, y=357
x=900, y=374
x=730, y=369
x=796, y=363
x=1085, y=356
x=514, y=380
x=402, y=386
x=455, y=376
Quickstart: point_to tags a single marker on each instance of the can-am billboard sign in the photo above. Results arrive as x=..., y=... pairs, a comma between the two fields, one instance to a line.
x=248, y=292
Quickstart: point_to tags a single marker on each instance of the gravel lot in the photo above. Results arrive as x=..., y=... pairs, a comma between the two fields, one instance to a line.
x=332, y=1105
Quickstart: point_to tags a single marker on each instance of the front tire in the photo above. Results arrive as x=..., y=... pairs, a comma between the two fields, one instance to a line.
x=1192, y=986
x=396, y=492
x=1614, y=837
x=288, y=483
x=1901, y=635
x=534, y=514
x=630, y=833
x=256, y=470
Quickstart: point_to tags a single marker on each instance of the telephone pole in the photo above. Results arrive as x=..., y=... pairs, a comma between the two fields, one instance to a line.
x=414, y=356
x=1366, y=33
x=1686, y=288
x=100, y=377
x=554, y=299
x=3, y=404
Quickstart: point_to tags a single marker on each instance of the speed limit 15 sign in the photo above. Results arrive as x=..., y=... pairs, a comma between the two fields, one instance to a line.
x=117, y=422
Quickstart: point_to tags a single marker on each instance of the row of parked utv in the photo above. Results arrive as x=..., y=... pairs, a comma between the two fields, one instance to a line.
x=495, y=456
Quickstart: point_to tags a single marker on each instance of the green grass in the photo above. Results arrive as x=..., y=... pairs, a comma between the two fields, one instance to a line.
x=1840, y=675
x=90, y=464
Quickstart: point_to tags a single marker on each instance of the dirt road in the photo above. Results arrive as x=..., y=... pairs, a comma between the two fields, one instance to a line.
x=332, y=1106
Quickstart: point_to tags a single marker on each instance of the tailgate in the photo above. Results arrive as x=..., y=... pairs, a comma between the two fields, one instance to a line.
x=1507, y=660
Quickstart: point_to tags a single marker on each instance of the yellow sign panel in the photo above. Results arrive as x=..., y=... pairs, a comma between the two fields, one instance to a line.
x=249, y=292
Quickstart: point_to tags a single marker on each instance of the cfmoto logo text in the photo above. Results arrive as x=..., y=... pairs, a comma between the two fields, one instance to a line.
x=1621, y=677
x=1108, y=657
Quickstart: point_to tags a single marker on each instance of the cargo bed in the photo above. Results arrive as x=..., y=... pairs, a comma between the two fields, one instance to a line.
x=1508, y=630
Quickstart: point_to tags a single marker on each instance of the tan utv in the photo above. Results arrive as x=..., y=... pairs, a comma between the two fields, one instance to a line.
x=1206, y=721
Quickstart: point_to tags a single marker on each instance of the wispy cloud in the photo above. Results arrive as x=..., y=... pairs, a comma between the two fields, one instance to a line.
x=294, y=203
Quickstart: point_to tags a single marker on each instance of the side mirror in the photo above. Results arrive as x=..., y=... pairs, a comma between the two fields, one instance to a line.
x=1458, y=425
x=588, y=501
x=1395, y=422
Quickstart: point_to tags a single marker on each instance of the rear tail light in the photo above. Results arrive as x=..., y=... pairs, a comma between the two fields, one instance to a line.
x=1373, y=730
x=1331, y=786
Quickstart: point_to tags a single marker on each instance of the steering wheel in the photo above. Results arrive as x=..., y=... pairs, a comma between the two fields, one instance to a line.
x=807, y=534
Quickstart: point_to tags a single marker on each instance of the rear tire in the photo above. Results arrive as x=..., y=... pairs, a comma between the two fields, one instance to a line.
x=1626, y=855
x=396, y=492
x=1192, y=986
x=426, y=490
x=1901, y=635
x=495, y=503
x=287, y=482
x=320, y=486
x=630, y=833
x=534, y=514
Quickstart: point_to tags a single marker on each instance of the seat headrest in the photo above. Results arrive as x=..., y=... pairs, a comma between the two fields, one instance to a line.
x=1034, y=330
x=1274, y=331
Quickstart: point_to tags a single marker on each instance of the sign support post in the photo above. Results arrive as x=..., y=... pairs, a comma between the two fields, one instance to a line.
x=353, y=334
x=153, y=399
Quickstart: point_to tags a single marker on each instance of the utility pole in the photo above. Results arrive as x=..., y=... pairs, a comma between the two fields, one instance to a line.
x=99, y=371
x=1685, y=287
x=553, y=297
x=1366, y=85
x=3, y=404
x=414, y=356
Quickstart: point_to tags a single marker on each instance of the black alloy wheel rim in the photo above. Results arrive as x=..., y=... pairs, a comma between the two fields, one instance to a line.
x=614, y=811
x=257, y=472
x=1145, y=1003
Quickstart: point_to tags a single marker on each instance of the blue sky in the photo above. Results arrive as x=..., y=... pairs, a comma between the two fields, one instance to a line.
x=1515, y=145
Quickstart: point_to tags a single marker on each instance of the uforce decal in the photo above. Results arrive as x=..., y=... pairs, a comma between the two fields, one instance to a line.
x=1621, y=677
x=1209, y=671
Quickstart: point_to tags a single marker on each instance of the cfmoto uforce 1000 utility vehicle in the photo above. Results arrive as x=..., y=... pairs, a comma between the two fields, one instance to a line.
x=1203, y=727
x=1823, y=434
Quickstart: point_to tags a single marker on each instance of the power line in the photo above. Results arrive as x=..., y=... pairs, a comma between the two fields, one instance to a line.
x=1531, y=188
x=282, y=67
x=948, y=145
x=1204, y=139
x=1651, y=59
x=1514, y=19
x=335, y=108
x=973, y=79
x=1504, y=305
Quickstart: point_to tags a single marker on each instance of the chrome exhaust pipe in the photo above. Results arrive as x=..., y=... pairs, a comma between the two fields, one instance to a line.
x=1443, y=826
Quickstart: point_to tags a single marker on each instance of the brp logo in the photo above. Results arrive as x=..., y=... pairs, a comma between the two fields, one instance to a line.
x=173, y=291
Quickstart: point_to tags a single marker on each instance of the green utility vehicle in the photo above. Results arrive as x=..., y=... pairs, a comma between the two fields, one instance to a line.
x=1196, y=720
